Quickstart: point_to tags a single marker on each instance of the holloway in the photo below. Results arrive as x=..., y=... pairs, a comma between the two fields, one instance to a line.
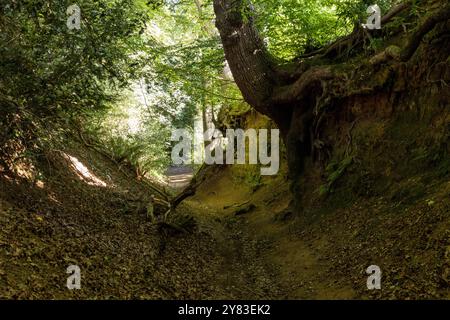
x=195, y=310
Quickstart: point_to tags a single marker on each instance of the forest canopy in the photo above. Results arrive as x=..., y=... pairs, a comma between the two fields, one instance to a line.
x=136, y=69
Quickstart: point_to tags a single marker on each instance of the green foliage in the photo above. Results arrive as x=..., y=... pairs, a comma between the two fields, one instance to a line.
x=376, y=44
x=59, y=76
x=188, y=66
x=334, y=171
x=51, y=68
x=132, y=134
x=168, y=52
x=353, y=11
x=293, y=27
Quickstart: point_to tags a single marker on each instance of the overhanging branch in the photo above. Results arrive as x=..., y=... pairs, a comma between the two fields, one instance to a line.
x=422, y=30
x=297, y=90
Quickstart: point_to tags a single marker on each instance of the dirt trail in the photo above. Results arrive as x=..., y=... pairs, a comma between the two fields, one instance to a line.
x=230, y=256
x=262, y=259
x=324, y=253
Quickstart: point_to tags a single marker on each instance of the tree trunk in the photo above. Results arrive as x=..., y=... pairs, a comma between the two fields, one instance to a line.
x=257, y=78
x=245, y=53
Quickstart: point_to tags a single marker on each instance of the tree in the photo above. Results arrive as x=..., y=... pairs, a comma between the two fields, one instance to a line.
x=53, y=77
x=292, y=94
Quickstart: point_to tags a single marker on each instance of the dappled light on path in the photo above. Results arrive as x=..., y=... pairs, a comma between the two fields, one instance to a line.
x=83, y=172
x=179, y=177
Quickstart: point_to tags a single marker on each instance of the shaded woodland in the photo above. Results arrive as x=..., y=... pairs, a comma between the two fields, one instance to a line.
x=89, y=100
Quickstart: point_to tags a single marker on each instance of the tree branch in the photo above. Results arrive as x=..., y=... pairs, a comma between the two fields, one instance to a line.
x=422, y=30
x=355, y=35
x=394, y=52
x=297, y=90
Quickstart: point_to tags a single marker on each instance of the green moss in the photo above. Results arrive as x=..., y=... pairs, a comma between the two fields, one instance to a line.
x=247, y=174
x=393, y=51
x=238, y=109
x=334, y=171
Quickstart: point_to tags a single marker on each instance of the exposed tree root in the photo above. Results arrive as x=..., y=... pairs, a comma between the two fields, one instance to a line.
x=289, y=93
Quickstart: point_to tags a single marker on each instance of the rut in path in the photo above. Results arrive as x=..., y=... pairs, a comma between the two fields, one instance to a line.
x=265, y=263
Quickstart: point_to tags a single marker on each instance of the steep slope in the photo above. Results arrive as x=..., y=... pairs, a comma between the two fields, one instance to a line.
x=324, y=254
x=78, y=208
